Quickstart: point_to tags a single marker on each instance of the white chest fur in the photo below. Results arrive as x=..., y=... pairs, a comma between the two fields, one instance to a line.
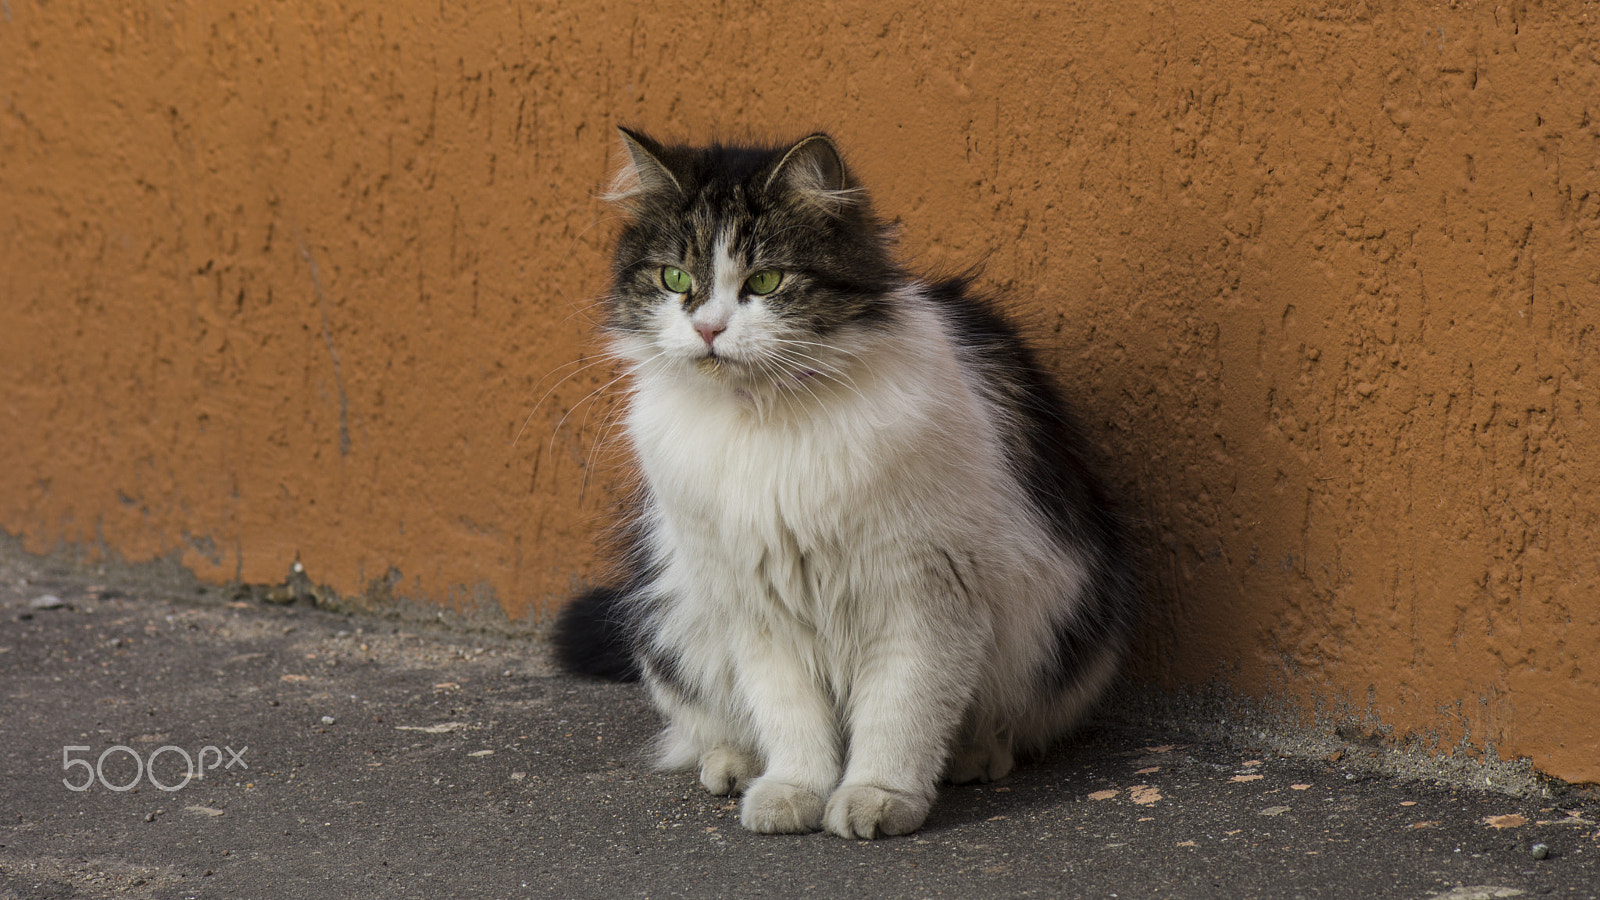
x=835, y=487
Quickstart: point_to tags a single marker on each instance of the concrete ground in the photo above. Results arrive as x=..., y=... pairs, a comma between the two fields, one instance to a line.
x=359, y=757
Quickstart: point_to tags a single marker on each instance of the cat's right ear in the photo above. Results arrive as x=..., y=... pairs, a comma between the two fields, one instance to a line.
x=813, y=172
x=642, y=173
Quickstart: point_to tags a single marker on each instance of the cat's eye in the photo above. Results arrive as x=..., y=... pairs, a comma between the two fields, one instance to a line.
x=675, y=279
x=763, y=282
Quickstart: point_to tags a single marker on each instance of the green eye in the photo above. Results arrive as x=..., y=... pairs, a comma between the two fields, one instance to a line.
x=763, y=282
x=675, y=279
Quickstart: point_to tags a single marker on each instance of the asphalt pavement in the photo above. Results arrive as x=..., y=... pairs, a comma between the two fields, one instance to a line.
x=165, y=740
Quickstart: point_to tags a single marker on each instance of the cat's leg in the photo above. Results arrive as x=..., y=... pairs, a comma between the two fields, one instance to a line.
x=982, y=753
x=701, y=733
x=698, y=738
x=690, y=727
x=794, y=719
x=906, y=705
x=728, y=769
x=1065, y=703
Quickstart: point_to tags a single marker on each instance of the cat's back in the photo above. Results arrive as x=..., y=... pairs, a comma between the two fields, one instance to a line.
x=1046, y=449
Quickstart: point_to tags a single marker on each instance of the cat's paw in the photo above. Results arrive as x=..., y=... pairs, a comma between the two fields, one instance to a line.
x=772, y=807
x=727, y=770
x=979, y=762
x=869, y=811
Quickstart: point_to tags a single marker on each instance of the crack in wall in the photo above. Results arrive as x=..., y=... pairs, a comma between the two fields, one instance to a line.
x=333, y=353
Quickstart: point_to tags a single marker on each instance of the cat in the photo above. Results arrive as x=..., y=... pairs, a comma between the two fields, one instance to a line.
x=867, y=552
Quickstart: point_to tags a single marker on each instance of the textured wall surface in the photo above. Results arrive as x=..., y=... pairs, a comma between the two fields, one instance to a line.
x=315, y=281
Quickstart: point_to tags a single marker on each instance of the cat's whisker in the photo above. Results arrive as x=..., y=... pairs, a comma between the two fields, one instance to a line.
x=613, y=417
x=799, y=369
x=793, y=386
x=551, y=449
x=585, y=309
x=582, y=367
x=591, y=462
x=777, y=375
x=832, y=349
x=798, y=342
x=603, y=435
x=816, y=366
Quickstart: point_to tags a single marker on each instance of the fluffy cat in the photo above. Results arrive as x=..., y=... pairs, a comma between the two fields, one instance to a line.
x=867, y=552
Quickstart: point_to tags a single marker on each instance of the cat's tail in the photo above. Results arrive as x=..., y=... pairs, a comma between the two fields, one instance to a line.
x=592, y=636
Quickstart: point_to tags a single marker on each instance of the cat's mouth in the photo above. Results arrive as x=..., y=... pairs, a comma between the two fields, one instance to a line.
x=721, y=367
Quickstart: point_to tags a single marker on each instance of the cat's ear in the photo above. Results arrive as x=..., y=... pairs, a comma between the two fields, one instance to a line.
x=642, y=173
x=813, y=172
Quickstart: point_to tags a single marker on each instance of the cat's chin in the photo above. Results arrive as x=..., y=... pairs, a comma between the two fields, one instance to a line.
x=731, y=372
x=713, y=366
x=748, y=380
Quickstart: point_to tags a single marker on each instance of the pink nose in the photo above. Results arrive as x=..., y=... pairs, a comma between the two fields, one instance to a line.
x=708, y=333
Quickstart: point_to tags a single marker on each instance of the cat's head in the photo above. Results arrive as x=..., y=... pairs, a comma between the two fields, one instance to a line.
x=756, y=264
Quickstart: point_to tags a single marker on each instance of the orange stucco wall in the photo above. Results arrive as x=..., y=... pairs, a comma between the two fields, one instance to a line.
x=288, y=280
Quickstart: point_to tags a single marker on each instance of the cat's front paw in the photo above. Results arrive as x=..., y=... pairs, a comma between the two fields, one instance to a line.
x=869, y=811
x=727, y=770
x=772, y=807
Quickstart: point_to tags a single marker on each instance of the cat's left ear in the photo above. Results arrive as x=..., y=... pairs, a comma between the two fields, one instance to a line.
x=642, y=174
x=813, y=172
